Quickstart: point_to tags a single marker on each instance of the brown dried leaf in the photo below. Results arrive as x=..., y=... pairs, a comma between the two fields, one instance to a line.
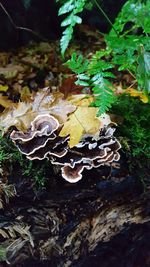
x=42, y=100
x=11, y=71
x=69, y=87
x=22, y=114
x=60, y=109
x=25, y=94
x=21, y=117
x=54, y=104
x=5, y=102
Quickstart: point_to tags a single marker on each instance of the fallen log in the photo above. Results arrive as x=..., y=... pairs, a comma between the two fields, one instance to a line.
x=75, y=224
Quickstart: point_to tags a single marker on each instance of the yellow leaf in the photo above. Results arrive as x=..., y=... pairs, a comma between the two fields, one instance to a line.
x=25, y=94
x=136, y=93
x=144, y=98
x=82, y=121
x=83, y=100
x=3, y=88
x=5, y=102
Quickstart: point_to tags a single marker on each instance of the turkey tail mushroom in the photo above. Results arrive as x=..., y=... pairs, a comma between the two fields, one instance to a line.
x=41, y=131
x=42, y=141
x=88, y=154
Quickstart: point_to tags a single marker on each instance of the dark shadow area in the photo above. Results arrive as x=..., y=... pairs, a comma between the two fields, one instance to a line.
x=42, y=18
x=130, y=248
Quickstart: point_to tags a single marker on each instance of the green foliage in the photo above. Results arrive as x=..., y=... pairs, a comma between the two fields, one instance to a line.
x=127, y=48
x=133, y=28
x=10, y=156
x=136, y=12
x=143, y=70
x=104, y=96
x=73, y=8
x=135, y=126
x=93, y=74
x=77, y=64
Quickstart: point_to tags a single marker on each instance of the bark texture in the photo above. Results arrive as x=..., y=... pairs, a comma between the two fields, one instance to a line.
x=95, y=222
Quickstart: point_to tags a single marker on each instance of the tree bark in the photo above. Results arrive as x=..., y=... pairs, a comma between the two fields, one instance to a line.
x=64, y=226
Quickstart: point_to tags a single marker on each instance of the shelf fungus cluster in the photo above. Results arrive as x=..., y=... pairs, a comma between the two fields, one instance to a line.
x=42, y=141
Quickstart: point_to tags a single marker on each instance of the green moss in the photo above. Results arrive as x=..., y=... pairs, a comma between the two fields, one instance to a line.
x=10, y=157
x=135, y=129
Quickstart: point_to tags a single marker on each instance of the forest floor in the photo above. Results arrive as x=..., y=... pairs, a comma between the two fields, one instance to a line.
x=48, y=222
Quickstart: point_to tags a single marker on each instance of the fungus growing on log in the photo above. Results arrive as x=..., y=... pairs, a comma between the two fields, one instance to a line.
x=42, y=140
x=41, y=131
x=88, y=154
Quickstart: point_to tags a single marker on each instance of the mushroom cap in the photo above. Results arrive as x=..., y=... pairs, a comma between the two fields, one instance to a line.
x=43, y=124
x=42, y=141
x=73, y=175
x=88, y=154
x=40, y=133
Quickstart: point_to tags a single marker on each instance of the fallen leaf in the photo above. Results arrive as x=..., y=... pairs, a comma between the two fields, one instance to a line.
x=25, y=94
x=136, y=93
x=82, y=121
x=118, y=89
x=11, y=71
x=116, y=118
x=60, y=109
x=3, y=88
x=20, y=117
x=42, y=99
x=54, y=104
x=69, y=87
x=5, y=102
x=4, y=58
x=83, y=100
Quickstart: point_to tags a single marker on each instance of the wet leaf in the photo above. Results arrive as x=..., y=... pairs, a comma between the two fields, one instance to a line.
x=82, y=121
x=5, y=102
x=135, y=93
x=3, y=88
x=10, y=71
x=60, y=109
x=25, y=94
x=54, y=104
x=20, y=116
x=69, y=87
x=83, y=100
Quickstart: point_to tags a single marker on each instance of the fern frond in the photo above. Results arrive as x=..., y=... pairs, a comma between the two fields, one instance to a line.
x=77, y=63
x=73, y=7
x=103, y=92
x=93, y=74
x=65, y=39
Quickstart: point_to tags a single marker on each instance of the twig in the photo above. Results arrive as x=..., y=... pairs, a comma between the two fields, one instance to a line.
x=21, y=28
x=131, y=74
x=105, y=15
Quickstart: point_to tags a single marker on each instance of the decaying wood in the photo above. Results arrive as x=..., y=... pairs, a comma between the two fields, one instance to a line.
x=63, y=226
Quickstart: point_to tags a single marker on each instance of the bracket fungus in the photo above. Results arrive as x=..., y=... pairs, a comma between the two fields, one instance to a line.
x=42, y=141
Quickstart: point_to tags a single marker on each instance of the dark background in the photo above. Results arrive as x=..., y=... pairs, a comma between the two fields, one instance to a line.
x=41, y=17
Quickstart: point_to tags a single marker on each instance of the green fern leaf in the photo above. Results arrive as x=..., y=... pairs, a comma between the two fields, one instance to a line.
x=73, y=7
x=93, y=75
x=71, y=20
x=104, y=95
x=67, y=7
x=77, y=64
x=143, y=71
x=65, y=39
